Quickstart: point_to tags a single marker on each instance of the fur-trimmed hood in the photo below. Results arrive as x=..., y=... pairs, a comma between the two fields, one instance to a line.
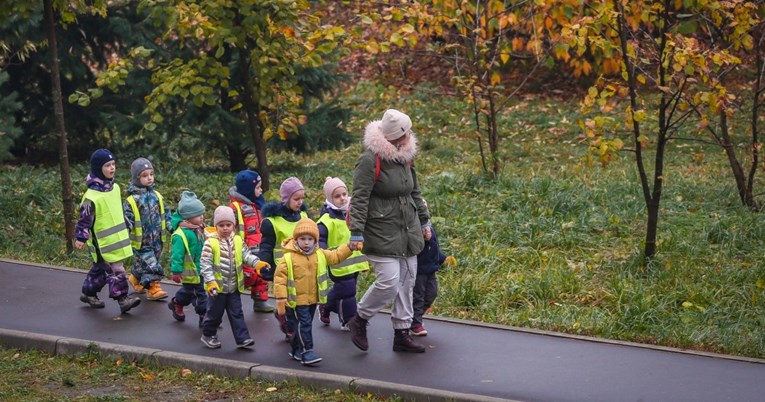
x=375, y=141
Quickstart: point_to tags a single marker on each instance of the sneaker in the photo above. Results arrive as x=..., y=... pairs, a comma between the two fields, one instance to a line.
x=323, y=314
x=127, y=302
x=177, y=310
x=92, y=301
x=296, y=354
x=245, y=344
x=418, y=330
x=262, y=306
x=211, y=342
x=358, y=327
x=310, y=358
x=344, y=327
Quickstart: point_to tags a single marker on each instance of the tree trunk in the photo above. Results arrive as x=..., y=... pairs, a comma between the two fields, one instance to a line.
x=735, y=166
x=236, y=158
x=252, y=110
x=58, y=114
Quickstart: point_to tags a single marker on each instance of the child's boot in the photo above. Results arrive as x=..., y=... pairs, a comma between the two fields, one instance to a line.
x=127, y=302
x=155, y=292
x=92, y=301
x=403, y=342
x=137, y=287
x=177, y=310
x=262, y=306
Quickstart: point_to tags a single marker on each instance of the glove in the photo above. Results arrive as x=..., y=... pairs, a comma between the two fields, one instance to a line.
x=212, y=288
x=281, y=306
x=450, y=261
x=177, y=278
x=356, y=245
x=261, y=265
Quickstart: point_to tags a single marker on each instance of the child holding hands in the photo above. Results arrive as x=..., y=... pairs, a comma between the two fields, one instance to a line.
x=221, y=262
x=429, y=261
x=300, y=282
x=102, y=227
x=188, y=225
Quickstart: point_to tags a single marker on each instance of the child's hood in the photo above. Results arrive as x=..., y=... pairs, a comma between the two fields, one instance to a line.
x=133, y=189
x=259, y=202
x=175, y=220
x=95, y=183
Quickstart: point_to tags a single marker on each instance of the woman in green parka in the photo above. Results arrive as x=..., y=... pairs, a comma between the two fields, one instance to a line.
x=389, y=217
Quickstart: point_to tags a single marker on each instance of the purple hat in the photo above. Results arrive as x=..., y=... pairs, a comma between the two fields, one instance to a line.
x=289, y=187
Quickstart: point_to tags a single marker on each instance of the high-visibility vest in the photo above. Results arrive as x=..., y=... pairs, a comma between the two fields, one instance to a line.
x=240, y=219
x=136, y=235
x=339, y=235
x=109, y=227
x=321, y=279
x=238, y=259
x=283, y=230
x=190, y=273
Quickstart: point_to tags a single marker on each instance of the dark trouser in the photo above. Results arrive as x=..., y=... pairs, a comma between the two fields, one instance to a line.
x=193, y=294
x=425, y=292
x=146, y=266
x=342, y=299
x=300, y=321
x=259, y=289
x=231, y=303
x=101, y=274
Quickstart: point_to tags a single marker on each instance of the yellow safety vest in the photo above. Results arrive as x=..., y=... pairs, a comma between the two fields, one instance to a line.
x=136, y=235
x=338, y=235
x=283, y=230
x=109, y=227
x=190, y=272
x=238, y=259
x=321, y=279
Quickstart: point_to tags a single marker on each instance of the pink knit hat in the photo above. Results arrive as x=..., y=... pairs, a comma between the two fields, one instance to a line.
x=223, y=213
x=289, y=187
x=331, y=184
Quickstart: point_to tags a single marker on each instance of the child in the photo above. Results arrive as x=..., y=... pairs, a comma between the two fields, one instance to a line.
x=300, y=282
x=333, y=231
x=188, y=224
x=102, y=227
x=247, y=201
x=223, y=254
x=280, y=220
x=425, y=290
x=147, y=221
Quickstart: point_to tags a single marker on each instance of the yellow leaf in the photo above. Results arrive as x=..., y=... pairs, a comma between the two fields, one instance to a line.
x=687, y=304
x=639, y=116
x=271, y=389
x=118, y=362
x=760, y=283
x=504, y=57
x=495, y=78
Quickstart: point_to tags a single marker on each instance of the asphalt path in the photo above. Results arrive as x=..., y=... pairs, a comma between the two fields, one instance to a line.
x=465, y=357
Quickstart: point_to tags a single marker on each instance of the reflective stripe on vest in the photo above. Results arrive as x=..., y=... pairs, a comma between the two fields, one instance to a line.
x=239, y=219
x=136, y=235
x=321, y=279
x=338, y=234
x=190, y=273
x=283, y=230
x=238, y=245
x=109, y=227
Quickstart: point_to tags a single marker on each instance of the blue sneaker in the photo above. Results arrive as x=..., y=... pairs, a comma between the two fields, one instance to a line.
x=296, y=354
x=310, y=358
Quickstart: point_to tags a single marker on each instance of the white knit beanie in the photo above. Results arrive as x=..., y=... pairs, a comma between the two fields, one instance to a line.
x=395, y=124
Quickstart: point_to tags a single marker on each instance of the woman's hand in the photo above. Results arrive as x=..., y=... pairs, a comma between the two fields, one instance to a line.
x=426, y=233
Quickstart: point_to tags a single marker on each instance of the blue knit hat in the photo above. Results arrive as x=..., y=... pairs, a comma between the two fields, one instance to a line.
x=189, y=206
x=245, y=183
x=98, y=159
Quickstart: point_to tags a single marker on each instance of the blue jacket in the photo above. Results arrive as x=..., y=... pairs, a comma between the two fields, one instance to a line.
x=430, y=258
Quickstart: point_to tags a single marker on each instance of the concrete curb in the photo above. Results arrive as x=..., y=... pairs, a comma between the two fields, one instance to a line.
x=56, y=345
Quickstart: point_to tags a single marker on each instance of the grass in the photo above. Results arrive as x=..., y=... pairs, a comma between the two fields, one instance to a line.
x=37, y=376
x=551, y=244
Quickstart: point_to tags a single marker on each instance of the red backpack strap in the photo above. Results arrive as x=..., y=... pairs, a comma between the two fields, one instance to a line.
x=377, y=167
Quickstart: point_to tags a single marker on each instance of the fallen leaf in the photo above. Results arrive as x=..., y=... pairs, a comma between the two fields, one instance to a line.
x=185, y=372
x=271, y=389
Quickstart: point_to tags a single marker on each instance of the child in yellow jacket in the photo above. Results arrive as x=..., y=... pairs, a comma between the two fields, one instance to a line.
x=301, y=283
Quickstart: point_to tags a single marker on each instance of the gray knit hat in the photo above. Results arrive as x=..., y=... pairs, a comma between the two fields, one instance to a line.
x=138, y=166
x=189, y=206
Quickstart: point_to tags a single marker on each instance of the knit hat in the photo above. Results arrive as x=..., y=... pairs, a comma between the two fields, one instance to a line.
x=245, y=183
x=289, y=187
x=98, y=159
x=138, y=166
x=223, y=213
x=306, y=226
x=189, y=206
x=395, y=124
x=331, y=184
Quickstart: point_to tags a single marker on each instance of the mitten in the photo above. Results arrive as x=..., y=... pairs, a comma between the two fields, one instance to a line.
x=450, y=261
x=281, y=306
x=212, y=288
x=177, y=278
x=261, y=265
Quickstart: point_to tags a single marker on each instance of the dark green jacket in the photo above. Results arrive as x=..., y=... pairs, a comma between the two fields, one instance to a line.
x=389, y=212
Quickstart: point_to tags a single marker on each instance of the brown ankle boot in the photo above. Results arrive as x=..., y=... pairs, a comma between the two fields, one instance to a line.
x=155, y=292
x=403, y=342
x=358, y=327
